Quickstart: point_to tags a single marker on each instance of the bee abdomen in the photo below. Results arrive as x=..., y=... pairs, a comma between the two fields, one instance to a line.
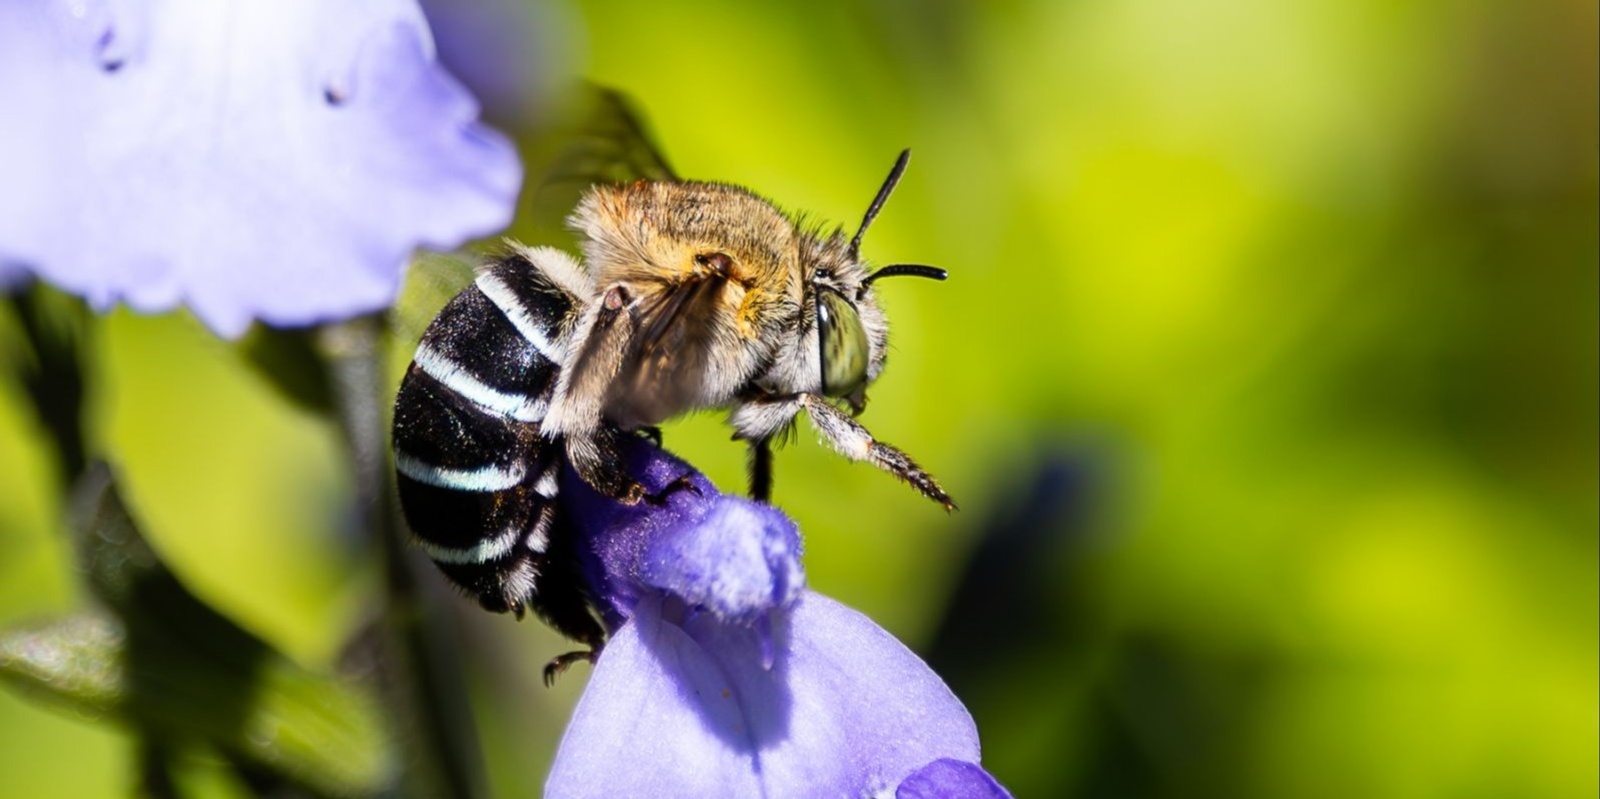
x=476, y=481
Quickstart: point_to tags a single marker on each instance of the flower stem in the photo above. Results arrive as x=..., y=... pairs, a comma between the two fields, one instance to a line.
x=425, y=692
x=53, y=325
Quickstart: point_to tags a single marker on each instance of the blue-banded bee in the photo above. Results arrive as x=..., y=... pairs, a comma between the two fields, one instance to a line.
x=690, y=296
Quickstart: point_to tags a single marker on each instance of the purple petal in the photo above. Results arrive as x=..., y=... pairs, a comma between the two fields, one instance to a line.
x=739, y=560
x=273, y=161
x=12, y=275
x=951, y=779
x=653, y=701
x=680, y=705
x=736, y=558
x=511, y=53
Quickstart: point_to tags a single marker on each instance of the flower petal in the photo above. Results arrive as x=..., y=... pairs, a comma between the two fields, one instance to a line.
x=253, y=159
x=736, y=558
x=684, y=707
x=739, y=560
x=951, y=779
x=12, y=275
x=513, y=55
x=645, y=722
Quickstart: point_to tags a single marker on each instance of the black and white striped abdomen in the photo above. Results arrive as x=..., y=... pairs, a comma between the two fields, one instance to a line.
x=477, y=483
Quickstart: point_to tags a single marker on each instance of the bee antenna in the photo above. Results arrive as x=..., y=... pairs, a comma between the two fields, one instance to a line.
x=877, y=202
x=915, y=270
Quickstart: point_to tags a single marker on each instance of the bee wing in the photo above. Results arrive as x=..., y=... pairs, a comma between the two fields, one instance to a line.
x=644, y=363
x=610, y=143
x=604, y=141
x=665, y=368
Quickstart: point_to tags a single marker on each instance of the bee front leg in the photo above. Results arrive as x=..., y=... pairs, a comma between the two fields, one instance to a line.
x=606, y=332
x=850, y=439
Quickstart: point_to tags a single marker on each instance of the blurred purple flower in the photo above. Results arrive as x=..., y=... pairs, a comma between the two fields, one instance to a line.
x=723, y=676
x=513, y=55
x=253, y=160
x=11, y=275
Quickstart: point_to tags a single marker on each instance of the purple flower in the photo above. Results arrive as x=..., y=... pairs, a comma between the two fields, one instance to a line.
x=951, y=779
x=11, y=275
x=511, y=54
x=724, y=676
x=273, y=161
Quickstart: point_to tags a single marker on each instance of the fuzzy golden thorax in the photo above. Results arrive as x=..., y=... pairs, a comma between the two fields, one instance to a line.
x=711, y=276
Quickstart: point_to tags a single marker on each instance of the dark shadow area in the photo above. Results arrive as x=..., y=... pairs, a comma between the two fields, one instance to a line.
x=191, y=675
x=1006, y=601
x=51, y=373
x=732, y=654
x=1123, y=712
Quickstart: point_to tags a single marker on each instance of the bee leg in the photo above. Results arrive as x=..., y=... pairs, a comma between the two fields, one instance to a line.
x=599, y=462
x=606, y=333
x=851, y=440
x=560, y=603
x=761, y=470
x=560, y=663
x=758, y=420
x=596, y=459
x=684, y=482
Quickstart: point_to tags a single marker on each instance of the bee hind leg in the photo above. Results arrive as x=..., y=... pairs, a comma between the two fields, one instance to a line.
x=560, y=663
x=850, y=439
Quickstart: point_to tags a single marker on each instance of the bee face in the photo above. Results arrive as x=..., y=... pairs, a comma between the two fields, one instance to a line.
x=843, y=340
x=850, y=357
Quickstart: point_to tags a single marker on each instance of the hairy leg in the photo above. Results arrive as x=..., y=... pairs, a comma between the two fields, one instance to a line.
x=606, y=333
x=850, y=439
x=598, y=461
x=761, y=470
x=758, y=421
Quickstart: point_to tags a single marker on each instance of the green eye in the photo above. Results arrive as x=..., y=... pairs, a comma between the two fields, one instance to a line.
x=844, y=344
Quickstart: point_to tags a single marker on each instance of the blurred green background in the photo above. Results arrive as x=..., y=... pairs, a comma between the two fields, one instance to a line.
x=1266, y=377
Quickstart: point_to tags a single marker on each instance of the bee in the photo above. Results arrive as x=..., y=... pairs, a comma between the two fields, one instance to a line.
x=690, y=296
x=705, y=295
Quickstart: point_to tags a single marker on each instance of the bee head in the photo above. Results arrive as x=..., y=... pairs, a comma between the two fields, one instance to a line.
x=852, y=333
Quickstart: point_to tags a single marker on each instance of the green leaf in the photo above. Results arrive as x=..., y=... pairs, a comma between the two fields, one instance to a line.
x=289, y=360
x=158, y=660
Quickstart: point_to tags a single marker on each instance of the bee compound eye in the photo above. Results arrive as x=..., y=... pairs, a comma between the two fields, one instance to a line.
x=844, y=346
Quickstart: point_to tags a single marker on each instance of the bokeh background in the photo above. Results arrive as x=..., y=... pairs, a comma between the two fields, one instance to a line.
x=1266, y=377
